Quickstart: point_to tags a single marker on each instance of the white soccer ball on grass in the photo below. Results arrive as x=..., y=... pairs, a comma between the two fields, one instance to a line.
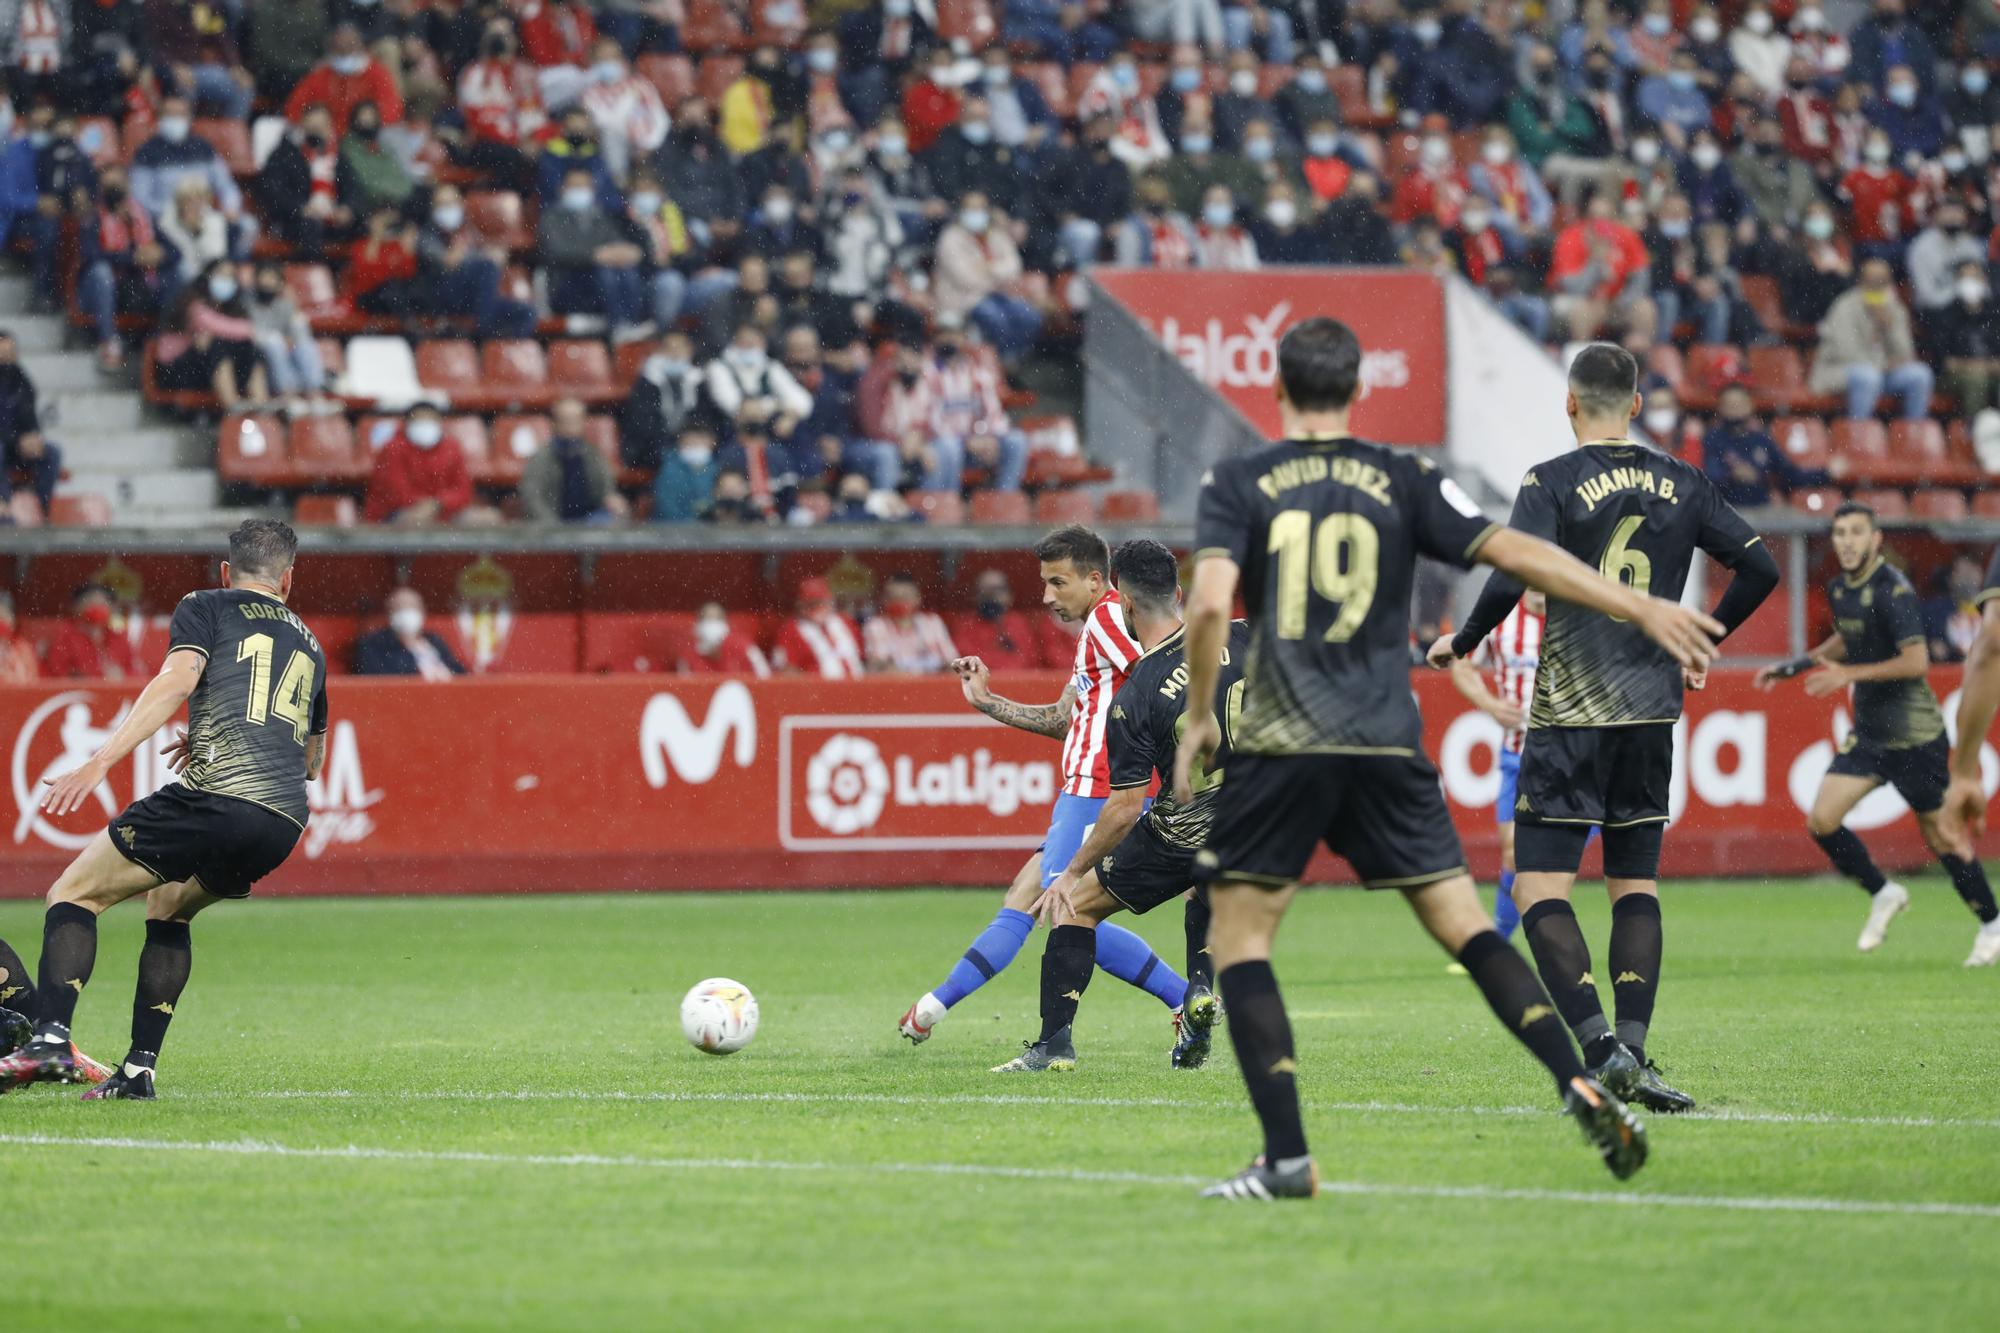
x=719, y=1016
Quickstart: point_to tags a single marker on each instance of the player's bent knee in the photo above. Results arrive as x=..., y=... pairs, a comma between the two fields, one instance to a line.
x=177, y=902
x=99, y=878
x=1450, y=910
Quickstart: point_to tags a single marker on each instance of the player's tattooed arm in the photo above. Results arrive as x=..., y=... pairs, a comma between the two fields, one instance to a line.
x=1041, y=719
x=315, y=755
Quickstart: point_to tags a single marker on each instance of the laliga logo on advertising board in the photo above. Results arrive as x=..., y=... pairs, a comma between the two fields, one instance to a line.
x=848, y=783
x=1249, y=360
x=339, y=798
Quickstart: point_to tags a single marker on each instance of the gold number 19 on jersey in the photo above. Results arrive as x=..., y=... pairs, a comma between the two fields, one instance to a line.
x=1340, y=561
x=292, y=700
x=1626, y=563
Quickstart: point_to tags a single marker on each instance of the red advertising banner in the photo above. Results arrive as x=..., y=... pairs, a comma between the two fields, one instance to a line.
x=1225, y=327
x=542, y=784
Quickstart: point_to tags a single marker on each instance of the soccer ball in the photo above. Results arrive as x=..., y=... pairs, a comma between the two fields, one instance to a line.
x=719, y=1016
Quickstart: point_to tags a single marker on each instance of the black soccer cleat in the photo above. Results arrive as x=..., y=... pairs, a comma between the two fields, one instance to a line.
x=16, y=1031
x=42, y=1062
x=1260, y=1182
x=1194, y=1022
x=1656, y=1094
x=1619, y=1135
x=1055, y=1055
x=121, y=1087
x=1619, y=1071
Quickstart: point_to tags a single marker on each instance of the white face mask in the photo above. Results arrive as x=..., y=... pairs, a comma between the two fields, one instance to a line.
x=747, y=358
x=1704, y=29
x=1259, y=150
x=646, y=204
x=608, y=71
x=222, y=288
x=1758, y=22
x=1877, y=151
x=1972, y=291
x=697, y=455
x=1310, y=81
x=1322, y=145
x=709, y=634
x=1808, y=20
x=822, y=60
x=174, y=129
x=1496, y=152
x=1217, y=215
x=998, y=76
x=578, y=200
x=1645, y=151
x=424, y=434
x=349, y=65
x=1819, y=226
x=974, y=220
x=1707, y=156
x=1281, y=212
x=778, y=209
x=1659, y=25
x=1660, y=420
x=1243, y=83
x=1196, y=144
x=892, y=145
x=1953, y=162
x=1436, y=152
x=407, y=621
x=1428, y=31
x=1903, y=94
x=977, y=131
x=449, y=217
x=1475, y=222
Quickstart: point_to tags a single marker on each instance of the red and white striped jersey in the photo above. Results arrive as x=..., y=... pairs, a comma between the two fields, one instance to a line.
x=1514, y=651
x=827, y=647
x=1104, y=657
x=922, y=645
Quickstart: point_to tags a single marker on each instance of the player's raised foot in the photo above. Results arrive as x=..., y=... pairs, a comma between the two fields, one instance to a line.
x=921, y=1018
x=1261, y=1182
x=1194, y=1027
x=1985, y=946
x=1055, y=1055
x=88, y=1070
x=41, y=1062
x=124, y=1087
x=1619, y=1135
x=1889, y=901
x=15, y=1031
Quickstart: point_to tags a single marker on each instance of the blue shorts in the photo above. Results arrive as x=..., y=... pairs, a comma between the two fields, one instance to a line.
x=1070, y=822
x=1510, y=779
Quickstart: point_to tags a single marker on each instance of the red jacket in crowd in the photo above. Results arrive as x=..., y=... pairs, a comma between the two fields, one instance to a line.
x=557, y=34
x=405, y=474
x=74, y=655
x=341, y=93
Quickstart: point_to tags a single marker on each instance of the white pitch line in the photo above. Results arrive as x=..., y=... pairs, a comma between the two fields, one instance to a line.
x=1006, y=1099
x=1358, y=1188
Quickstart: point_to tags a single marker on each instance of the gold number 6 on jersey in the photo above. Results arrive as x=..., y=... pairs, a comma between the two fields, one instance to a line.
x=1627, y=563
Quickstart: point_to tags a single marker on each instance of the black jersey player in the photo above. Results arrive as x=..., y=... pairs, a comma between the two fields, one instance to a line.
x=1322, y=532
x=1964, y=812
x=254, y=681
x=1134, y=857
x=1600, y=742
x=1878, y=647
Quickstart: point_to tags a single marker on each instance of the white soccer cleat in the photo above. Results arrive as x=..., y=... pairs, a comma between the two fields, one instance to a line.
x=1985, y=946
x=921, y=1018
x=1891, y=900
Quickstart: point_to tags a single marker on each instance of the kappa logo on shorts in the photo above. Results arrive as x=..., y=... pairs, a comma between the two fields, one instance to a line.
x=1522, y=807
x=126, y=835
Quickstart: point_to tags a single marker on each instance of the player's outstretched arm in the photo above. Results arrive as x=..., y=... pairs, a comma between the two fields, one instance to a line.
x=1833, y=650
x=1496, y=601
x=1912, y=663
x=1209, y=602
x=1686, y=634
x=1042, y=719
x=161, y=699
x=1965, y=799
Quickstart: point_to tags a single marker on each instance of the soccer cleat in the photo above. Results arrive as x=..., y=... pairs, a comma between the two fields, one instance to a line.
x=1890, y=901
x=123, y=1087
x=41, y=1062
x=88, y=1070
x=1619, y=1072
x=921, y=1018
x=1297, y=1178
x=1056, y=1055
x=15, y=1031
x=1619, y=1135
x=1985, y=946
x=1194, y=1027
x=1656, y=1094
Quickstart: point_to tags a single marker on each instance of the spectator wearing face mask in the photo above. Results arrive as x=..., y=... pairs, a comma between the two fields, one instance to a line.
x=1555, y=131
x=296, y=188
x=1329, y=162
x=993, y=630
x=381, y=272
x=715, y=648
x=1185, y=90
x=195, y=229
x=631, y=120
x=1674, y=101
x=23, y=447
x=976, y=262
x=1759, y=49
x=1282, y=235
x=421, y=478
x=1139, y=141
x=594, y=267
x=1909, y=116
x=17, y=656
x=122, y=267
x=779, y=225
x=685, y=486
x=1813, y=267
x=557, y=36
x=173, y=156
x=576, y=149
x=1305, y=101
x=968, y=424
x=1880, y=201
x=207, y=346
x=966, y=157
x=1157, y=234
x=1806, y=116
x=1972, y=98
x=1520, y=203
x=344, y=81
x=1709, y=185
x=368, y=175
x=1865, y=349
x=1357, y=230
x=1240, y=103
x=818, y=640
x=457, y=276
x=879, y=44
x=1221, y=244
x=1652, y=38
x=1669, y=428
x=1742, y=459
x=903, y=636
x=745, y=384
x=1432, y=187
x=1711, y=53
x=500, y=101
x=1778, y=187
x=895, y=404
x=1445, y=62
x=200, y=41
x=664, y=398
x=1886, y=39
x=568, y=480
x=1598, y=270
x=403, y=647
x=1965, y=335
x=1201, y=164
x=88, y=645
x=1935, y=255
x=291, y=355
x=1020, y=114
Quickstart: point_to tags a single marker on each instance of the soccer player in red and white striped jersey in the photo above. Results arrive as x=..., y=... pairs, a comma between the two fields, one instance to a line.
x=1513, y=652
x=1076, y=585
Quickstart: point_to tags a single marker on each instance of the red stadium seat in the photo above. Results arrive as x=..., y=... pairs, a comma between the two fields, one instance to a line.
x=450, y=365
x=1052, y=81
x=231, y=140
x=941, y=509
x=496, y=217
x=1861, y=450
x=1130, y=507
x=627, y=361
x=712, y=26
x=998, y=507
x=87, y=510
x=1664, y=359
x=716, y=74
x=516, y=371
x=1986, y=503
x=1349, y=84
x=1709, y=367
x=1804, y=441
x=252, y=450
x=1920, y=448
x=583, y=367
x=673, y=76
x=470, y=434
x=968, y=21
x=1940, y=506
x=1886, y=504
x=326, y=511
x=515, y=440
x=1760, y=293
x=601, y=431
x=1058, y=507
x=324, y=449
x=1778, y=378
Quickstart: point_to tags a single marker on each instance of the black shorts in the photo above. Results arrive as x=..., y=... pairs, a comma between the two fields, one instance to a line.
x=224, y=844
x=1613, y=776
x=1385, y=814
x=1146, y=870
x=1919, y=773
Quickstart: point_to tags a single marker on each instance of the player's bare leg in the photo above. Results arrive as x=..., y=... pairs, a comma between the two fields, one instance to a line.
x=99, y=878
x=1968, y=876
x=163, y=973
x=928, y=1011
x=1838, y=794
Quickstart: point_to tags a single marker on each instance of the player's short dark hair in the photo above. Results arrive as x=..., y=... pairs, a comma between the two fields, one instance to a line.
x=1604, y=377
x=1145, y=572
x=1078, y=545
x=1319, y=365
x=263, y=548
x=1851, y=507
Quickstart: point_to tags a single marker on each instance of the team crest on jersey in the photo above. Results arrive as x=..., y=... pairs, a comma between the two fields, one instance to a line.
x=1867, y=597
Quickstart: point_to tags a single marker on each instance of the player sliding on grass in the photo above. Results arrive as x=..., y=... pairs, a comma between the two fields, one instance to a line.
x=254, y=680
x=1076, y=584
x=1322, y=532
x=1600, y=748
x=1136, y=858
x=1878, y=647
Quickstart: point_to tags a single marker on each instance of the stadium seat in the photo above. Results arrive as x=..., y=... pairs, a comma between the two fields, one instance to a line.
x=470, y=434
x=1760, y=293
x=231, y=141
x=515, y=371
x=1940, y=506
x=941, y=509
x=711, y=25
x=673, y=76
x=1820, y=500
x=601, y=431
x=449, y=365
x=1986, y=503
x=1885, y=503
x=1130, y=507
x=1349, y=84
x=715, y=74
x=515, y=440
x=252, y=450
x=1920, y=448
x=1861, y=451
x=778, y=22
x=1055, y=508
x=1665, y=360
x=627, y=360
x=1778, y=379
x=323, y=450
x=1804, y=441
x=968, y=21
x=1710, y=366
x=496, y=217
x=85, y=510
x=326, y=511
x=998, y=507
x=582, y=366
x=333, y=357
x=312, y=289
x=381, y=370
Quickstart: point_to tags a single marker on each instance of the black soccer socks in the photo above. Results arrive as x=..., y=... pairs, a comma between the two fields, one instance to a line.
x=1194, y=919
x=69, y=951
x=163, y=973
x=1067, y=962
x=17, y=988
x=1519, y=1001
x=1969, y=878
x=1850, y=857
x=1262, y=1035
x=1564, y=962
x=1635, y=967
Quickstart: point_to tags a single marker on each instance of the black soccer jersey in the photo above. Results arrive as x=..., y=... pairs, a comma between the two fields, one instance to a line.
x=261, y=695
x=1148, y=715
x=1327, y=534
x=1636, y=515
x=1875, y=612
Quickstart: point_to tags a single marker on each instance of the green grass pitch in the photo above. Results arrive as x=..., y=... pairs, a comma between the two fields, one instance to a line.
x=435, y=1114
